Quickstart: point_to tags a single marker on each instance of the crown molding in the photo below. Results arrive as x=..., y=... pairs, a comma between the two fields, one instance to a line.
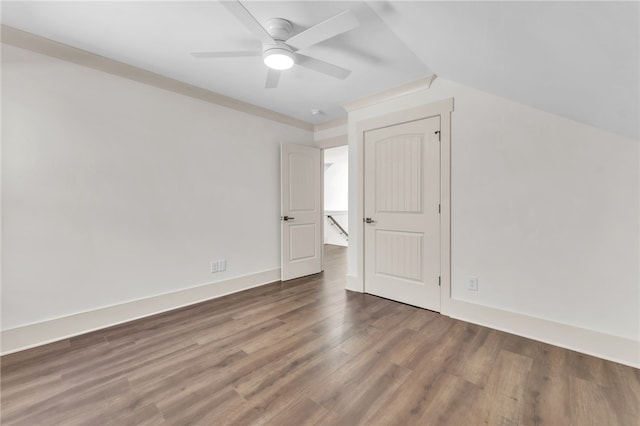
x=330, y=124
x=35, y=43
x=405, y=89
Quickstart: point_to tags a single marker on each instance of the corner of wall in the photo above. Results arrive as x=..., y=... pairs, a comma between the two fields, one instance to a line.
x=354, y=283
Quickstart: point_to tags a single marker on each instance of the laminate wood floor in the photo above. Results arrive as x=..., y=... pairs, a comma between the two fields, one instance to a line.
x=307, y=352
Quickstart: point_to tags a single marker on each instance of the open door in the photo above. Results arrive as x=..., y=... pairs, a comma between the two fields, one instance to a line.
x=301, y=210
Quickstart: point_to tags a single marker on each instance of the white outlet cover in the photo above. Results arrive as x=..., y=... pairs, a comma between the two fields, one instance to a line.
x=472, y=283
x=214, y=267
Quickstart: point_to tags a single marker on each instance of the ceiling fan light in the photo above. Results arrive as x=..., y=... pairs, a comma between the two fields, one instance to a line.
x=278, y=59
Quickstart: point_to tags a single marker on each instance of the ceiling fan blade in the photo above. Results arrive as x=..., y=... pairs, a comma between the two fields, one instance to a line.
x=322, y=66
x=237, y=54
x=248, y=20
x=333, y=26
x=272, y=79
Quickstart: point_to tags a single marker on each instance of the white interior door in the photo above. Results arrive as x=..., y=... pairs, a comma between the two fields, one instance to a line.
x=402, y=212
x=301, y=210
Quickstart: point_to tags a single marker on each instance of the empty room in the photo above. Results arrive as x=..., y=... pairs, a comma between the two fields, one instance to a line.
x=320, y=213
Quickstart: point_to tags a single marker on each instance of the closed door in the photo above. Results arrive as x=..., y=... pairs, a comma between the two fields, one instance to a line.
x=301, y=211
x=402, y=212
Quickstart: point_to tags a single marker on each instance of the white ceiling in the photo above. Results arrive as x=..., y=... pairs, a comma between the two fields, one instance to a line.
x=159, y=36
x=577, y=59
x=580, y=60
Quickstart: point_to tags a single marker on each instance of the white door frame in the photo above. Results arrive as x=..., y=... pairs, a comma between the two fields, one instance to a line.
x=332, y=142
x=442, y=109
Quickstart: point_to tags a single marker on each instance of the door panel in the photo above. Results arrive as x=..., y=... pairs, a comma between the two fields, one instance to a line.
x=402, y=196
x=302, y=240
x=301, y=211
x=398, y=174
x=302, y=169
x=398, y=254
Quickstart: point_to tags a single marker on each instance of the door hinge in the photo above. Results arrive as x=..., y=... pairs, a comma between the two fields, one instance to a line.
x=439, y=282
x=437, y=132
x=439, y=208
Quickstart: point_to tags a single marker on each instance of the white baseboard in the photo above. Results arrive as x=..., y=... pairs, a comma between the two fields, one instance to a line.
x=614, y=348
x=602, y=345
x=32, y=335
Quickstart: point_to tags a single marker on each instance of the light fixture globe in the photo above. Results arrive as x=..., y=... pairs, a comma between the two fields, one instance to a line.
x=278, y=58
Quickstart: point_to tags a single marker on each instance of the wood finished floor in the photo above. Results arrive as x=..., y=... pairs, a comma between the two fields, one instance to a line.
x=308, y=352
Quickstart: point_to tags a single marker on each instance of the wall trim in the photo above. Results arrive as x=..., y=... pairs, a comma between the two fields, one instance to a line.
x=35, y=43
x=41, y=333
x=396, y=92
x=330, y=124
x=602, y=345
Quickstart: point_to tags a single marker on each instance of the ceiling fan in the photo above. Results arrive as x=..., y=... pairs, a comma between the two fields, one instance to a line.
x=279, y=50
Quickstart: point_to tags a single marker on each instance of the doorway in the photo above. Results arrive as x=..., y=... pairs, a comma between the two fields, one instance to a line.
x=336, y=196
x=359, y=256
x=314, y=206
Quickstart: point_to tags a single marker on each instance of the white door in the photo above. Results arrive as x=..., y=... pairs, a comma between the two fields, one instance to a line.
x=301, y=210
x=402, y=212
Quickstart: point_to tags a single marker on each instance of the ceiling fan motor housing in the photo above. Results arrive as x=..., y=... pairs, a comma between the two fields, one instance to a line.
x=278, y=28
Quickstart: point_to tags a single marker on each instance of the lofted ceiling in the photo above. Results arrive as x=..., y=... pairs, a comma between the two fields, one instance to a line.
x=580, y=60
x=577, y=59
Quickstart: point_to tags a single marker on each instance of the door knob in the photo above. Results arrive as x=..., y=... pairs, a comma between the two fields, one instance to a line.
x=287, y=218
x=369, y=220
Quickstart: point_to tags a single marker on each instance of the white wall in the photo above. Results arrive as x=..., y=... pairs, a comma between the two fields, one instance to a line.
x=114, y=191
x=336, y=192
x=545, y=212
x=336, y=178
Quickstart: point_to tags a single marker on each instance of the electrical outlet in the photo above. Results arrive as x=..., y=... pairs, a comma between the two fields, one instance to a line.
x=218, y=265
x=472, y=283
